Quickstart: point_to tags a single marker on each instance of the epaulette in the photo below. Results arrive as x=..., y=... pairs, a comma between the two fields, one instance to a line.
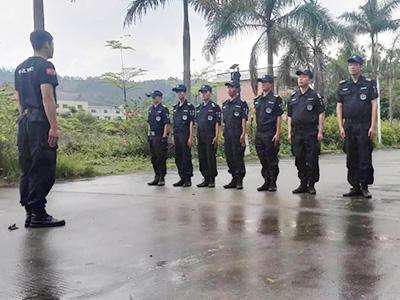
x=278, y=97
x=343, y=81
x=319, y=96
x=212, y=104
x=294, y=93
x=256, y=98
x=367, y=79
x=198, y=106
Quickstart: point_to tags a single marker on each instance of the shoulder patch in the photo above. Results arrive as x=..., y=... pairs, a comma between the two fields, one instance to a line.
x=294, y=93
x=367, y=79
x=343, y=81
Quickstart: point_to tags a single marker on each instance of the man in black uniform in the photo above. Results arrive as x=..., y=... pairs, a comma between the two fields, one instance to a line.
x=306, y=116
x=183, y=136
x=268, y=109
x=38, y=133
x=357, y=113
x=158, y=119
x=208, y=120
x=235, y=114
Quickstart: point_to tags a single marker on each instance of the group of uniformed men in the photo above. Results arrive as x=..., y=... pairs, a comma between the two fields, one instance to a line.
x=38, y=133
x=356, y=111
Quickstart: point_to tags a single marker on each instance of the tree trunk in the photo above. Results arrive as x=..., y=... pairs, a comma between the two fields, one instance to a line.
x=391, y=79
x=186, y=46
x=38, y=15
x=270, y=54
x=318, y=73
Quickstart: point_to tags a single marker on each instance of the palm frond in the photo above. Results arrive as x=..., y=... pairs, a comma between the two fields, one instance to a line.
x=255, y=51
x=138, y=8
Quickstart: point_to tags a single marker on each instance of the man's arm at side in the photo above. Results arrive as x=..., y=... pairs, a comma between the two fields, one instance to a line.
x=50, y=108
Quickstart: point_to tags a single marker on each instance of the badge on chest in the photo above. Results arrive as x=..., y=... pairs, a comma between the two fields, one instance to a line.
x=363, y=97
x=268, y=110
x=158, y=118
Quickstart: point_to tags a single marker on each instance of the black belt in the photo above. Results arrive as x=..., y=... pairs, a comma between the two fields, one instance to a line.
x=356, y=121
x=305, y=126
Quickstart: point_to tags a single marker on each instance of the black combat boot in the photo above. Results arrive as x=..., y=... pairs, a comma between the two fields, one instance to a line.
x=355, y=191
x=264, y=187
x=231, y=185
x=272, y=186
x=302, y=189
x=154, y=182
x=239, y=183
x=179, y=183
x=28, y=218
x=40, y=219
x=311, y=189
x=161, y=181
x=205, y=183
x=187, y=182
x=211, y=183
x=365, y=192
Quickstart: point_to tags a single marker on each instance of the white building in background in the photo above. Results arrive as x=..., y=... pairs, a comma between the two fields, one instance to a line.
x=65, y=107
x=99, y=112
x=107, y=112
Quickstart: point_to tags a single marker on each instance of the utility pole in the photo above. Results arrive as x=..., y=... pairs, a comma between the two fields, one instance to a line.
x=38, y=14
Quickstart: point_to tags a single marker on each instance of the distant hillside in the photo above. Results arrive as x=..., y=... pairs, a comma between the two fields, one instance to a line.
x=97, y=92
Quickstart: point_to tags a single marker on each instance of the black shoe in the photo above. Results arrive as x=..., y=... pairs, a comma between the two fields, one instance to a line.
x=264, y=187
x=354, y=192
x=311, y=190
x=211, y=184
x=28, y=217
x=302, y=189
x=205, y=183
x=231, y=185
x=272, y=186
x=43, y=220
x=179, y=183
x=187, y=183
x=239, y=184
x=161, y=182
x=154, y=182
x=365, y=192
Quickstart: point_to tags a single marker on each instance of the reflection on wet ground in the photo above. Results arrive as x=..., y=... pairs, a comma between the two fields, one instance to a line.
x=125, y=240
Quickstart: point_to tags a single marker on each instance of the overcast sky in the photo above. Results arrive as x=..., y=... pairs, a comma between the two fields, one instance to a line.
x=81, y=29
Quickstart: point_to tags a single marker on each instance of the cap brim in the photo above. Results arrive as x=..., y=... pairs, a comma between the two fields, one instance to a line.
x=352, y=60
x=298, y=73
x=178, y=90
x=263, y=80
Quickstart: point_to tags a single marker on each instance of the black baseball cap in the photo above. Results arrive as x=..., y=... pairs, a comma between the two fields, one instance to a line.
x=266, y=78
x=179, y=88
x=154, y=94
x=306, y=72
x=205, y=88
x=356, y=59
x=233, y=83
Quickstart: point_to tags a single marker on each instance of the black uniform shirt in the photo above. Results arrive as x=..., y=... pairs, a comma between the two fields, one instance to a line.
x=267, y=109
x=233, y=112
x=29, y=75
x=304, y=109
x=183, y=115
x=356, y=98
x=207, y=115
x=158, y=117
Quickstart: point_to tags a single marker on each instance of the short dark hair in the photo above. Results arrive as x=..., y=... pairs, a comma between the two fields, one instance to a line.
x=39, y=38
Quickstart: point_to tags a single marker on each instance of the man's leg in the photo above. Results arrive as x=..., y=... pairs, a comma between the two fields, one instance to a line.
x=229, y=155
x=365, y=168
x=211, y=155
x=187, y=162
x=351, y=149
x=312, y=159
x=272, y=162
x=262, y=156
x=298, y=151
x=238, y=157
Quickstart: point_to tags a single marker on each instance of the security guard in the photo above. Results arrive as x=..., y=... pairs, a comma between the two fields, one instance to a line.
x=306, y=115
x=38, y=133
x=235, y=114
x=268, y=109
x=158, y=119
x=184, y=114
x=208, y=120
x=357, y=113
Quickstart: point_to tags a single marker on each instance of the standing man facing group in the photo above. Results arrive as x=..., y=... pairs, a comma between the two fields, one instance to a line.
x=357, y=113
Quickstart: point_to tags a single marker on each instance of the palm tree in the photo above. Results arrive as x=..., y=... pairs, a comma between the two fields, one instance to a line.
x=138, y=8
x=313, y=31
x=38, y=14
x=373, y=18
x=268, y=17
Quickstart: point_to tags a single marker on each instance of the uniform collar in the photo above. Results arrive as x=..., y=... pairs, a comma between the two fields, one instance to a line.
x=306, y=92
x=206, y=103
x=360, y=79
x=269, y=94
x=234, y=99
x=181, y=104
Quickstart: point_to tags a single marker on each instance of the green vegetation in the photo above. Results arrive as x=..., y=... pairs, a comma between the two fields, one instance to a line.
x=92, y=147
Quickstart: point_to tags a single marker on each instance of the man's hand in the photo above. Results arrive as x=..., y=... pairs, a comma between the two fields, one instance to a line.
x=215, y=142
x=320, y=136
x=342, y=133
x=289, y=138
x=190, y=143
x=276, y=139
x=372, y=133
x=54, y=135
x=243, y=140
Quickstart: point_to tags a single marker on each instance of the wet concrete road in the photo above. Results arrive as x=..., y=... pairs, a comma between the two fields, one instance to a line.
x=125, y=240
